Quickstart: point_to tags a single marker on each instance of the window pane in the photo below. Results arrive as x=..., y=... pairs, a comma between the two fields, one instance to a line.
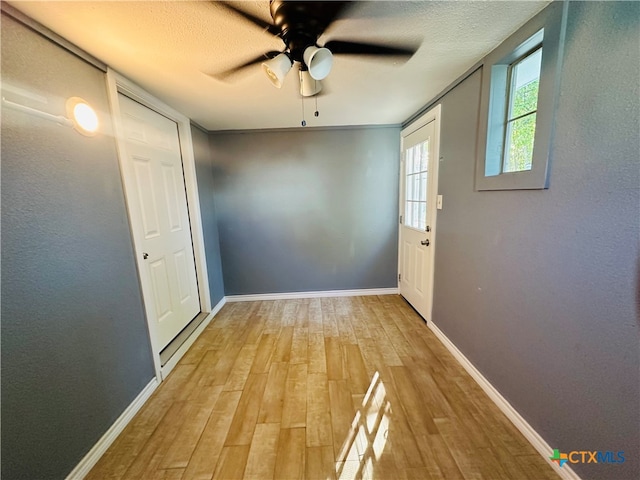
x=525, y=79
x=423, y=216
x=519, y=147
x=409, y=188
x=409, y=161
x=423, y=187
x=424, y=155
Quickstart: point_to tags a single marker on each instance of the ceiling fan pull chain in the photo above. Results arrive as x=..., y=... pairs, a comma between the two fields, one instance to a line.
x=304, y=122
x=316, y=113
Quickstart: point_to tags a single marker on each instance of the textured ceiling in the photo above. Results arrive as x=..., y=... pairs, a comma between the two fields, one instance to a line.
x=170, y=47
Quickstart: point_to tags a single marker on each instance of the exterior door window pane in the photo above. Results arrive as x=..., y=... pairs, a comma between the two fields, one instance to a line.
x=416, y=177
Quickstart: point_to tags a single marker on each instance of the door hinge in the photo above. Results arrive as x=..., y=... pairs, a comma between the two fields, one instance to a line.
x=399, y=276
x=400, y=219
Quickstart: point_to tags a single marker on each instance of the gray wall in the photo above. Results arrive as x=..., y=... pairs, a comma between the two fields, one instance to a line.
x=204, y=172
x=75, y=349
x=539, y=288
x=306, y=210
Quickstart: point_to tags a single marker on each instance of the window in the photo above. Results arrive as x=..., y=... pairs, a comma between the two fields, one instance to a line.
x=415, y=209
x=521, y=113
x=519, y=91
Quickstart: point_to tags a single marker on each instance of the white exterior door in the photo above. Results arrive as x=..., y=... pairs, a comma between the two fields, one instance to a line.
x=155, y=188
x=418, y=195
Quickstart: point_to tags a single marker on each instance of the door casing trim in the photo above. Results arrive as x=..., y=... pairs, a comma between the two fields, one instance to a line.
x=432, y=115
x=116, y=84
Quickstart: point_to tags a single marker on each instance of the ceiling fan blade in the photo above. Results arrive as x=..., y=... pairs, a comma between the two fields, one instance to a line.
x=356, y=48
x=228, y=73
x=328, y=12
x=266, y=26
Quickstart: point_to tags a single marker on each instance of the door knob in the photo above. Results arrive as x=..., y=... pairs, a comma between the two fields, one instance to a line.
x=425, y=242
x=145, y=256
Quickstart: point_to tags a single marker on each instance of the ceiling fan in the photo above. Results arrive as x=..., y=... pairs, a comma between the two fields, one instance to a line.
x=299, y=24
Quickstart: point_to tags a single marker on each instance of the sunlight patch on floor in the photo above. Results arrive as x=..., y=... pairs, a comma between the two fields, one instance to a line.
x=367, y=436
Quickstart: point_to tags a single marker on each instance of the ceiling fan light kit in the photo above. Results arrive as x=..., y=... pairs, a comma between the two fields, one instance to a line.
x=299, y=25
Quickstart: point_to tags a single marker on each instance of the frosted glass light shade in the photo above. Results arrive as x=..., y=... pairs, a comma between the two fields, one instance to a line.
x=277, y=68
x=319, y=61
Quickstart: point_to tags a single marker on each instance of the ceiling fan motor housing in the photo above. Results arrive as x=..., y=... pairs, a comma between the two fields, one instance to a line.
x=301, y=23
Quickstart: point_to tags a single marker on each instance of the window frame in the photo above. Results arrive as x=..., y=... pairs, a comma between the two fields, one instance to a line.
x=545, y=30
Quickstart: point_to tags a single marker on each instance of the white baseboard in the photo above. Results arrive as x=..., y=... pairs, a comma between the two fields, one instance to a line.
x=175, y=358
x=319, y=294
x=511, y=413
x=92, y=457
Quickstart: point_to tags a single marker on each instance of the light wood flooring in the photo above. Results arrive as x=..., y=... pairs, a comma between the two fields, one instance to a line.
x=332, y=388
